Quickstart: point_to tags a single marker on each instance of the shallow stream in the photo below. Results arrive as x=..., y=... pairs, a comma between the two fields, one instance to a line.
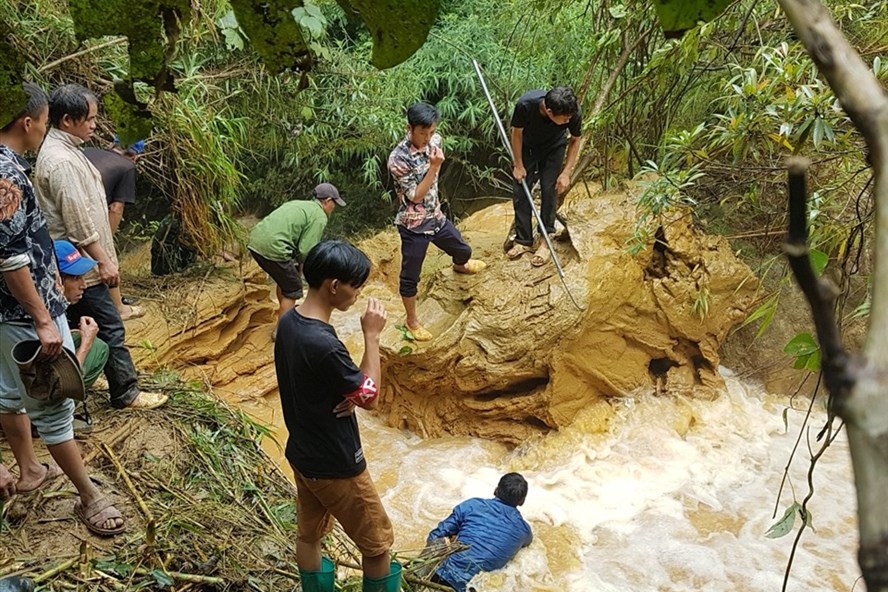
x=677, y=495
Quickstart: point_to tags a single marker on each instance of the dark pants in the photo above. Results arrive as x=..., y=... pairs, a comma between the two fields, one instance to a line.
x=413, y=252
x=119, y=370
x=543, y=167
x=439, y=580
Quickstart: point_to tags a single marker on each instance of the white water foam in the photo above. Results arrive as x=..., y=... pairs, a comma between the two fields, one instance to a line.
x=676, y=496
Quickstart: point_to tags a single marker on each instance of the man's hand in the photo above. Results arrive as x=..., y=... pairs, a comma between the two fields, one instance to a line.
x=88, y=331
x=562, y=183
x=7, y=483
x=344, y=409
x=373, y=319
x=50, y=340
x=436, y=156
x=519, y=172
x=108, y=273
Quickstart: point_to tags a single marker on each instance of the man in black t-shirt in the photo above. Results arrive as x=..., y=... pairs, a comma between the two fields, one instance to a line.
x=117, y=166
x=320, y=386
x=538, y=144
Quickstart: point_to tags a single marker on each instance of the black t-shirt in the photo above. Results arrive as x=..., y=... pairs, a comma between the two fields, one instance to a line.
x=118, y=174
x=314, y=373
x=540, y=132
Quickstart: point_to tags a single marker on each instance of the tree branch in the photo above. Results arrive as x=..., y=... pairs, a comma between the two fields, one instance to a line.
x=80, y=53
x=864, y=404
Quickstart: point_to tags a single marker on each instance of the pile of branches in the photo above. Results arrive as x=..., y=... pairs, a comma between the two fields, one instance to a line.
x=206, y=508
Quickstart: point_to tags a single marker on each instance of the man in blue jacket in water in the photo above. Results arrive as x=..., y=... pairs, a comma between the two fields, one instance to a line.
x=493, y=529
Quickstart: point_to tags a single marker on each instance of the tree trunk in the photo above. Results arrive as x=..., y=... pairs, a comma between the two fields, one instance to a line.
x=859, y=387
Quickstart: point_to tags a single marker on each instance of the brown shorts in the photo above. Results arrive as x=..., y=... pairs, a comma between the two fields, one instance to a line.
x=284, y=273
x=353, y=501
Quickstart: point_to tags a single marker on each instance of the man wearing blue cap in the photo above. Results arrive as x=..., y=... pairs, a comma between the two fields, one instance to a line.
x=32, y=307
x=92, y=352
x=117, y=166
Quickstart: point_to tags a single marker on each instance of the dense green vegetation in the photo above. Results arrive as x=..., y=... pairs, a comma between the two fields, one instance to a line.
x=713, y=113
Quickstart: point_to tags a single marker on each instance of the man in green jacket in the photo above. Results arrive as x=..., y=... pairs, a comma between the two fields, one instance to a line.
x=281, y=240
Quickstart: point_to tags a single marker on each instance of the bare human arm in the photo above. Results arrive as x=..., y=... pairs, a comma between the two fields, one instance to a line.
x=518, y=171
x=88, y=331
x=573, y=152
x=372, y=323
x=21, y=286
x=115, y=215
x=108, y=271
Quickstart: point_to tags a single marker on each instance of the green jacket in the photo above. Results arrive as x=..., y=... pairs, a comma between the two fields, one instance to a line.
x=290, y=231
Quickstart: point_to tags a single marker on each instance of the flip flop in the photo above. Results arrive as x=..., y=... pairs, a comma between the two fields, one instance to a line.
x=420, y=333
x=135, y=313
x=52, y=472
x=517, y=250
x=148, y=400
x=541, y=257
x=472, y=266
x=88, y=515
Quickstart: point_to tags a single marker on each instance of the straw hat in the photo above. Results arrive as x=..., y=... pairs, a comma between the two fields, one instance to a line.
x=48, y=380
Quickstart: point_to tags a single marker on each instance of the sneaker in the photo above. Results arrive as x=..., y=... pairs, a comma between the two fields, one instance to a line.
x=148, y=400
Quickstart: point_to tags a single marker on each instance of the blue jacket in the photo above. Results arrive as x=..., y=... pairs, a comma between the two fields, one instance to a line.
x=494, y=532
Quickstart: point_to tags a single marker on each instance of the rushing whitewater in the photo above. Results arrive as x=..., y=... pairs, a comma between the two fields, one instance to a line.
x=677, y=495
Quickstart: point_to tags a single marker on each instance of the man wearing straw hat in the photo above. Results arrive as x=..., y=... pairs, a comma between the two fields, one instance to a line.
x=32, y=308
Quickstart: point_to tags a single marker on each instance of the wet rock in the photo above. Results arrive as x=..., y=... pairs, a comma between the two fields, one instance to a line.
x=514, y=357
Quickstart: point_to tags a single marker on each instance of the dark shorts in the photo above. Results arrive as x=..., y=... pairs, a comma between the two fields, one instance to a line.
x=284, y=273
x=353, y=501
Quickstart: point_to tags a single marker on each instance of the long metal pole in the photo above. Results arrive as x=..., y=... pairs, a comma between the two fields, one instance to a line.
x=505, y=138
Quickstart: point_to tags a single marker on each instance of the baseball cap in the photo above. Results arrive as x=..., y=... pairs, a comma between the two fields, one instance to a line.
x=328, y=191
x=137, y=147
x=71, y=262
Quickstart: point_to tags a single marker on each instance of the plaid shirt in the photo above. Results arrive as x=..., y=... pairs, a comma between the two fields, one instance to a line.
x=409, y=166
x=24, y=240
x=72, y=196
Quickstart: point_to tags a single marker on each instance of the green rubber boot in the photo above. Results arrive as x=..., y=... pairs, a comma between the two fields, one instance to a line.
x=318, y=581
x=390, y=583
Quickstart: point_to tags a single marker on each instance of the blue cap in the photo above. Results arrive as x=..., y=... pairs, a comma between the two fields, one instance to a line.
x=71, y=262
x=137, y=147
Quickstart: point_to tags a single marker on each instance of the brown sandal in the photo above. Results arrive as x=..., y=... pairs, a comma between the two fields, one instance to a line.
x=517, y=250
x=541, y=257
x=88, y=515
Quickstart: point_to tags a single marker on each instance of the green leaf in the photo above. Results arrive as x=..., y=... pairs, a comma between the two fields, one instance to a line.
x=765, y=312
x=398, y=27
x=314, y=25
x=162, y=578
x=405, y=333
x=405, y=351
x=819, y=259
x=617, y=11
x=233, y=39
x=802, y=344
x=785, y=524
x=228, y=21
x=678, y=16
